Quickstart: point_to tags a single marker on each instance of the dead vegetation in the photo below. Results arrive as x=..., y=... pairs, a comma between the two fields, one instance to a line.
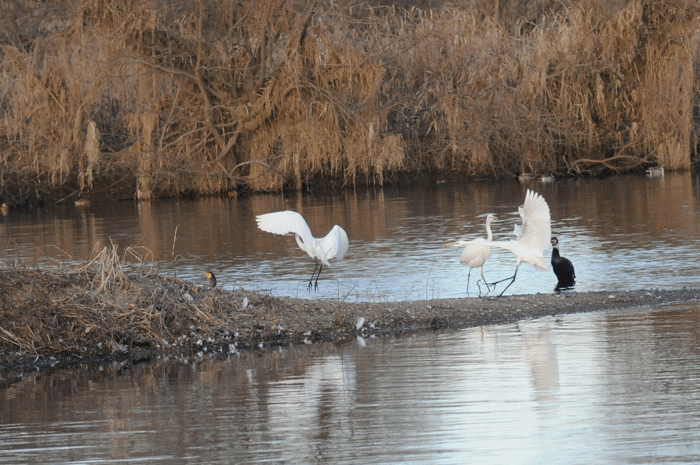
x=97, y=309
x=160, y=98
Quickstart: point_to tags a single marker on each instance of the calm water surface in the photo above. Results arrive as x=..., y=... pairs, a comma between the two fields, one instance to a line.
x=613, y=387
x=610, y=387
x=627, y=232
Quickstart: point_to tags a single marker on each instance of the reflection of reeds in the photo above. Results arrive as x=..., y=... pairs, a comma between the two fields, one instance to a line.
x=179, y=97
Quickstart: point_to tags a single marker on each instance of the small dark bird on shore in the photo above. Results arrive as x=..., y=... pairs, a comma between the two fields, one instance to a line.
x=212, y=279
x=562, y=267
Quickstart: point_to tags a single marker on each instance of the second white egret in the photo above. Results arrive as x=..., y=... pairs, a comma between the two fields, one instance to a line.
x=476, y=251
x=333, y=246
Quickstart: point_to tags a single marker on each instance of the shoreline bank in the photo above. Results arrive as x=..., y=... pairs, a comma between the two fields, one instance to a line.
x=93, y=314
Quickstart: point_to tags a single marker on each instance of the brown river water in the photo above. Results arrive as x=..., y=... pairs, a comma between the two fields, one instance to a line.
x=622, y=233
x=607, y=387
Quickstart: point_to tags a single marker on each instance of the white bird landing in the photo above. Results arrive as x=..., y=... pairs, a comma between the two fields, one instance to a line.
x=333, y=246
x=533, y=235
x=476, y=251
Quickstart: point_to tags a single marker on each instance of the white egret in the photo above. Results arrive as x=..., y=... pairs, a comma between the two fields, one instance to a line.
x=533, y=235
x=334, y=245
x=476, y=251
x=563, y=268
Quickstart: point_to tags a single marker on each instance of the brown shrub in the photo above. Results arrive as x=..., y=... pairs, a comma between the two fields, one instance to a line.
x=99, y=309
x=171, y=97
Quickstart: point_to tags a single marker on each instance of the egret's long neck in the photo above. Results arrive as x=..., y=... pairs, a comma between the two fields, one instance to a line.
x=489, y=235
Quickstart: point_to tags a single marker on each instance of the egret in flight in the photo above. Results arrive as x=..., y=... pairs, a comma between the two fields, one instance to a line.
x=563, y=268
x=532, y=237
x=477, y=251
x=334, y=245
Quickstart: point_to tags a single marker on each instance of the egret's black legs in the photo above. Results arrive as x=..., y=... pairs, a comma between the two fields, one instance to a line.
x=317, y=276
x=500, y=281
x=488, y=289
x=319, y=267
x=484, y=279
x=512, y=280
x=311, y=281
x=493, y=284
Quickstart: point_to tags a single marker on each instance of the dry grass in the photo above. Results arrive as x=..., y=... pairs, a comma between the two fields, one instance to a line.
x=98, y=309
x=170, y=97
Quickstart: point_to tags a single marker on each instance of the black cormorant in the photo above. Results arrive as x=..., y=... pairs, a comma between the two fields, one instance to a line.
x=562, y=267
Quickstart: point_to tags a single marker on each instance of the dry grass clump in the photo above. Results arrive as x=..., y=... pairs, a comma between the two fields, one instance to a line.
x=587, y=88
x=159, y=98
x=99, y=309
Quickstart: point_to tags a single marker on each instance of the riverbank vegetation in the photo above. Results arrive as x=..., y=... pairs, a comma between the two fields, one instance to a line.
x=162, y=98
x=98, y=309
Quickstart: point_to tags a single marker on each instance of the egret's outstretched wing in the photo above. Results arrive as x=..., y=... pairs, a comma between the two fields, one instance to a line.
x=479, y=240
x=335, y=244
x=536, y=229
x=284, y=223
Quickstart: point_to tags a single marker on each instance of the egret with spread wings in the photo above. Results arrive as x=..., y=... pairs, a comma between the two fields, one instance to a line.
x=533, y=235
x=333, y=246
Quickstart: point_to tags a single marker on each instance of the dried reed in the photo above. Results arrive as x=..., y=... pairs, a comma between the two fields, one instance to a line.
x=98, y=309
x=176, y=97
